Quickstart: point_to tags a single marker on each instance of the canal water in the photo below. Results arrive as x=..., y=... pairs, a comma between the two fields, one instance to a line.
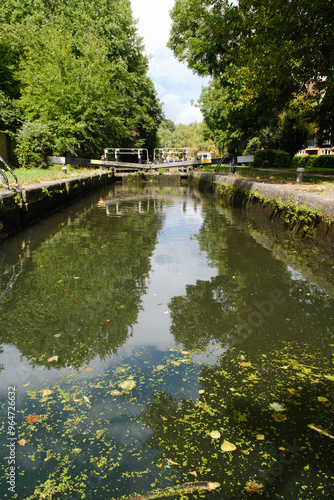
x=152, y=340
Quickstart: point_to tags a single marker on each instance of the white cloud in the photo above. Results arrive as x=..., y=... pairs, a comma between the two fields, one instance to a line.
x=176, y=85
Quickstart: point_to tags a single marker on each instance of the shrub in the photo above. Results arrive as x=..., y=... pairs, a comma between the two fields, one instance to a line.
x=34, y=141
x=313, y=161
x=271, y=158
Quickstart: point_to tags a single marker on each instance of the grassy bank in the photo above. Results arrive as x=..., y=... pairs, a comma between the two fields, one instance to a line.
x=53, y=173
x=320, y=177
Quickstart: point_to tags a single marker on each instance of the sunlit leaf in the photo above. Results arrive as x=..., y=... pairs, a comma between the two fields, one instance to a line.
x=128, y=385
x=227, y=446
x=292, y=391
x=54, y=358
x=260, y=437
x=57, y=335
x=215, y=434
x=276, y=407
x=329, y=377
x=45, y=392
x=23, y=442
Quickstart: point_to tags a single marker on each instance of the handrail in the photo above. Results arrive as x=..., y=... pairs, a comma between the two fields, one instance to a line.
x=221, y=161
x=2, y=174
x=11, y=171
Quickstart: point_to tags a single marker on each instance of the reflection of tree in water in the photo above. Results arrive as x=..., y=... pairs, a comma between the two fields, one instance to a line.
x=84, y=286
x=261, y=405
x=237, y=306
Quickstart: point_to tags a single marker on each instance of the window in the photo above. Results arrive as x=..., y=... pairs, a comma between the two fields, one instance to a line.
x=325, y=151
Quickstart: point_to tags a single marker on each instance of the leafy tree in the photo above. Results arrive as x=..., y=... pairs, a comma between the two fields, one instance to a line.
x=81, y=72
x=260, y=55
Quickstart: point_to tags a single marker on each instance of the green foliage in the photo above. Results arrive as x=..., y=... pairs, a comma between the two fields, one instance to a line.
x=313, y=161
x=34, y=143
x=10, y=113
x=260, y=56
x=82, y=72
x=271, y=158
x=195, y=135
x=293, y=133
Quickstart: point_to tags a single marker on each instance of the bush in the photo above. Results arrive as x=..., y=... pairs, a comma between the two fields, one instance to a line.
x=313, y=161
x=271, y=158
x=34, y=142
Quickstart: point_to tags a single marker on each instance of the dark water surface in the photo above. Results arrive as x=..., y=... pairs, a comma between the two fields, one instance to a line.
x=151, y=340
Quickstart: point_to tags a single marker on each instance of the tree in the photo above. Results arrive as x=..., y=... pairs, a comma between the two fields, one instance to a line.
x=81, y=72
x=260, y=55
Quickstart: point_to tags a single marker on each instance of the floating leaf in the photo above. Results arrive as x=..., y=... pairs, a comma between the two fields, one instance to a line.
x=54, y=358
x=76, y=277
x=276, y=407
x=115, y=392
x=227, y=446
x=176, y=363
x=278, y=417
x=215, y=434
x=77, y=450
x=292, y=391
x=260, y=437
x=33, y=418
x=128, y=385
x=88, y=369
x=172, y=462
x=159, y=367
x=329, y=377
x=86, y=399
x=185, y=352
x=45, y=392
x=321, y=399
x=201, y=391
x=23, y=442
x=57, y=335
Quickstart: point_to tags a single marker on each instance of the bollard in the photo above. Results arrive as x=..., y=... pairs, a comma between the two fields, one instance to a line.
x=117, y=155
x=184, y=153
x=195, y=155
x=161, y=155
x=300, y=172
x=64, y=170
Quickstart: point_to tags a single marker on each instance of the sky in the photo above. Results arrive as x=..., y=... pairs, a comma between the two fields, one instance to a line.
x=176, y=85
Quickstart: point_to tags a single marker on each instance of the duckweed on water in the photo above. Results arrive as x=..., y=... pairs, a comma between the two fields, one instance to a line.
x=246, y=425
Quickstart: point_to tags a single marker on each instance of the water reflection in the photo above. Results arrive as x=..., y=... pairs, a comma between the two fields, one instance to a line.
x=205, y=322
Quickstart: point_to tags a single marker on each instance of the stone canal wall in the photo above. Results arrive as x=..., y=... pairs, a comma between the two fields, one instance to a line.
x=300, y=208
x=33, y=202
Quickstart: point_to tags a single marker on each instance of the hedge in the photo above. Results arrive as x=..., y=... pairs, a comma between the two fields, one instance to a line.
x=271, y=158
x=313, y=161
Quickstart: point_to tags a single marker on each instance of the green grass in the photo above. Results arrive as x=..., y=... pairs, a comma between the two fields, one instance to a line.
x=54, y=173
x=253, y=173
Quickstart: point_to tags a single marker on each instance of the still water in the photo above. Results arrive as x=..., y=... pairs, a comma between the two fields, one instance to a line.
x=152, y=340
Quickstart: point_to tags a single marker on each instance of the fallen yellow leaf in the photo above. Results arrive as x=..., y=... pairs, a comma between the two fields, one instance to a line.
x=54, y=358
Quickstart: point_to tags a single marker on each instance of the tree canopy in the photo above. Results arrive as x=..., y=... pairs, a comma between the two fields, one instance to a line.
x=262, y=56
x=78, y=67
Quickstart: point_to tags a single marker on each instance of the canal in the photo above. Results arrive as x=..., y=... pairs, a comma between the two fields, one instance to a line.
x=153, y=341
